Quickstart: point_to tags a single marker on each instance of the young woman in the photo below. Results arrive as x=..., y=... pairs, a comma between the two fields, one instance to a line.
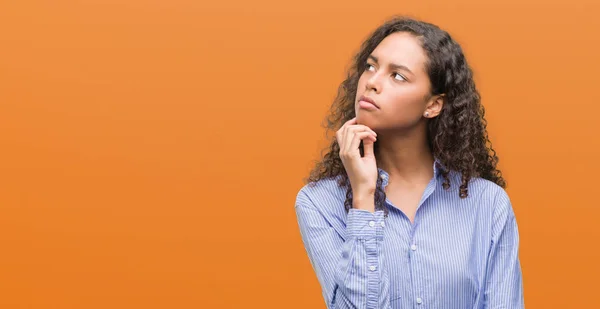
x=407, y=208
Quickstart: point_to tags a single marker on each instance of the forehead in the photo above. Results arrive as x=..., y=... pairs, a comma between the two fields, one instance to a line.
x=401, y=48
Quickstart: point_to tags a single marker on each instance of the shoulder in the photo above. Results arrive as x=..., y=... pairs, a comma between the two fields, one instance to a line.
x=478, y=188
x=494, y=197
x=488, y=188
x=324, y=195
x=484, y=195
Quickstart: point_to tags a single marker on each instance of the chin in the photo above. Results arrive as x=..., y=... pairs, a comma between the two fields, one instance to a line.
x=365, y=119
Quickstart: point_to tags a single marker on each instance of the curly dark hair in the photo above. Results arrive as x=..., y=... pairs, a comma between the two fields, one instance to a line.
x=457, y=137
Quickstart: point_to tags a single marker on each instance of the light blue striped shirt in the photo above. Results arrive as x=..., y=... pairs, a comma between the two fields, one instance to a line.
x=458, y=253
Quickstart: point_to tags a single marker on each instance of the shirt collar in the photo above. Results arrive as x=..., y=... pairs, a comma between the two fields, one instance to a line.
x=438, y=167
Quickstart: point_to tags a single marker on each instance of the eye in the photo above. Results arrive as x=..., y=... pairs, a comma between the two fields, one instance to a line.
x=369, y=65
x=400, y=76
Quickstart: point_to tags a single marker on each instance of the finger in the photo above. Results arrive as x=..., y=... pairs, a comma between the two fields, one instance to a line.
x=355, y=129
x=368, y=147
x=342, y=131
x=348, y=123
x=351, y=121
x=361, y=127
x=356, y=140
x=349, y=136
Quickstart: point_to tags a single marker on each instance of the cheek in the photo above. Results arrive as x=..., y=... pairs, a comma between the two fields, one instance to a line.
x=360, y=87
x=407, y=102
x=404, y=108
x=360, y=84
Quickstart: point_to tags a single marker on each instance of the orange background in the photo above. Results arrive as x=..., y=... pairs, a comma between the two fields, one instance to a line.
x=151, y=151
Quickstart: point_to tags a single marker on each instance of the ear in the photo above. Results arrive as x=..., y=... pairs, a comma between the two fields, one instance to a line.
x=434, y=106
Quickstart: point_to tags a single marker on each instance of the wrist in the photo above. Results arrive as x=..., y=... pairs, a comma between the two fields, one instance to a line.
x=364, y=201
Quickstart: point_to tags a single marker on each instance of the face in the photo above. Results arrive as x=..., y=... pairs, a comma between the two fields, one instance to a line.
x=396, y=80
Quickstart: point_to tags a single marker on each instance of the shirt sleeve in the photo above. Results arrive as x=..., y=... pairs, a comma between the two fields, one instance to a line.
x=504, y=284
x=349, y=270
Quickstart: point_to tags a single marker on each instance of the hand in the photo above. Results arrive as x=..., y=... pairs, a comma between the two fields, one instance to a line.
x=362, y=171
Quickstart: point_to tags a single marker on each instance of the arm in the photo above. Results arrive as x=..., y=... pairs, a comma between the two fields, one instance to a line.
x=504, y=283
x=349, y=271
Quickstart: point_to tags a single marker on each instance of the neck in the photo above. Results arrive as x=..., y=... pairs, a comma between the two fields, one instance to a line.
x=406, y=158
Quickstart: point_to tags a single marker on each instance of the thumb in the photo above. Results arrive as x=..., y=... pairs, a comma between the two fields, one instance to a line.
x=368, y=147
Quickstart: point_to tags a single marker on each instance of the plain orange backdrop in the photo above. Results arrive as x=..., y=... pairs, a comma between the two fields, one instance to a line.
x=151, y=151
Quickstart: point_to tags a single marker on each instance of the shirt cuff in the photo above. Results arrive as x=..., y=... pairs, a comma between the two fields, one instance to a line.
x=364, y=224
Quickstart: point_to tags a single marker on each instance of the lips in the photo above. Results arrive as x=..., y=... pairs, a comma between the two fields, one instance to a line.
x=369, y=100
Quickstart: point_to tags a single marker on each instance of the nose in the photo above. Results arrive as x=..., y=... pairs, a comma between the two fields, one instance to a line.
x=373, y=83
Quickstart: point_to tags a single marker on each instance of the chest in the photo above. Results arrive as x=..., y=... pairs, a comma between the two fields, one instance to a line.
x=405, y=198
x=440, y=258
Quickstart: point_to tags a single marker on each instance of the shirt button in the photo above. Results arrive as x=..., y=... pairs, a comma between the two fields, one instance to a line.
x=413, y=247
x=372, y=268
x=382, y=224
x=372, y=223
x=419, y=300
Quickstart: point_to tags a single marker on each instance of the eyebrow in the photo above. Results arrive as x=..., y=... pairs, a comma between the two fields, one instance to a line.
x=393, y=65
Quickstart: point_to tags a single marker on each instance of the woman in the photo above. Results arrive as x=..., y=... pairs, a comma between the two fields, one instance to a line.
x=407, y=209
